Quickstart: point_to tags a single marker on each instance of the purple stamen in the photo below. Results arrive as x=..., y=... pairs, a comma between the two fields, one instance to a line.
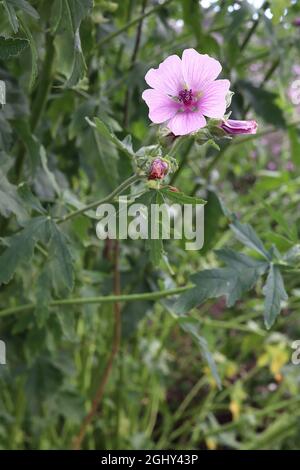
x=186, y=97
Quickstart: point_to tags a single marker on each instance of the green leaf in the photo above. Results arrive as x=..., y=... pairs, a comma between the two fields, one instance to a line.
x=61, y=259
x=213, y=214
x=292, y=256
x=105, y=132
x=12, y=47
x=12, y=16
x=29, y=199
x=240, y=275
x=34, y=54
x=246, y=234
x=67, y=16
x=79, y=66
x=192, y=17
x=181, y=198
x=241, y=262
x=43, y=296
x=10, y=201
x=24, y=6
x=192, y=329
x=31, y=143
x=50, y=175
x=275, y=293
x=21, y=246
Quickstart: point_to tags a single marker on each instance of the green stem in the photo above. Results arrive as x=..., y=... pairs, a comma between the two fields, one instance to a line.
x=98, y=300
x=231, y=325
x=104, y=200
x=133, y=22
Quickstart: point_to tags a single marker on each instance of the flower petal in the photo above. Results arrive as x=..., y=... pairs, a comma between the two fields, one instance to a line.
x=232, y=127
x=199, y=69
x=187, y=122
x=161, y=107
x=213, y=102
x=168, y=77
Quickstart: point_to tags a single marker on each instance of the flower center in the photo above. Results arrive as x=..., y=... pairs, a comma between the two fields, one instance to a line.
x=186, y=97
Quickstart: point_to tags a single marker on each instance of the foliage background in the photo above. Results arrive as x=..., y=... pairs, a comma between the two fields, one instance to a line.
x=66, y=60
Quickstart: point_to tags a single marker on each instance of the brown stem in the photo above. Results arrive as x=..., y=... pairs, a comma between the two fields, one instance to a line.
x=114, y=352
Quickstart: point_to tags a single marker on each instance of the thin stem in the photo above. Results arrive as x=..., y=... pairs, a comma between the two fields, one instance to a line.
x=133, y=22
x=253, y=28
x=98, y=300
x=231, y=325
x=109, y=198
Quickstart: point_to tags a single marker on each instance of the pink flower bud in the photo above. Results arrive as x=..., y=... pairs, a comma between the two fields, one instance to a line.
x=233, y=127
x=296, y=22
x=158, y=169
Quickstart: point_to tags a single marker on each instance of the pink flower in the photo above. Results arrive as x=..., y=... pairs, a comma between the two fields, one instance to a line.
x=158, y=169
x=296, y=22
x=184, y=91
x=234, y=127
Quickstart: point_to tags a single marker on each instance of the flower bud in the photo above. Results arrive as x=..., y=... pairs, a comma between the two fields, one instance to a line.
x=233, y=127
x=158, y=169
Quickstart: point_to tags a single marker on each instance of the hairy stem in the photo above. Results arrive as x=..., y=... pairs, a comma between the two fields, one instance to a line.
x=109, y=198
x=98, y=300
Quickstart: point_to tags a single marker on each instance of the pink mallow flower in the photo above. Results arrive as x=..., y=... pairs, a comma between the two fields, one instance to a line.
x=184, y=91
x=158, y=169
x=233, y=127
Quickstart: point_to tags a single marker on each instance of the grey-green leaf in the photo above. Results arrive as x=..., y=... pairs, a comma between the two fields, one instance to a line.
x=10, y=201
x=246, y=234
x=182, y=198
x=275, y=293
x=105, y=132
x=61, y=259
